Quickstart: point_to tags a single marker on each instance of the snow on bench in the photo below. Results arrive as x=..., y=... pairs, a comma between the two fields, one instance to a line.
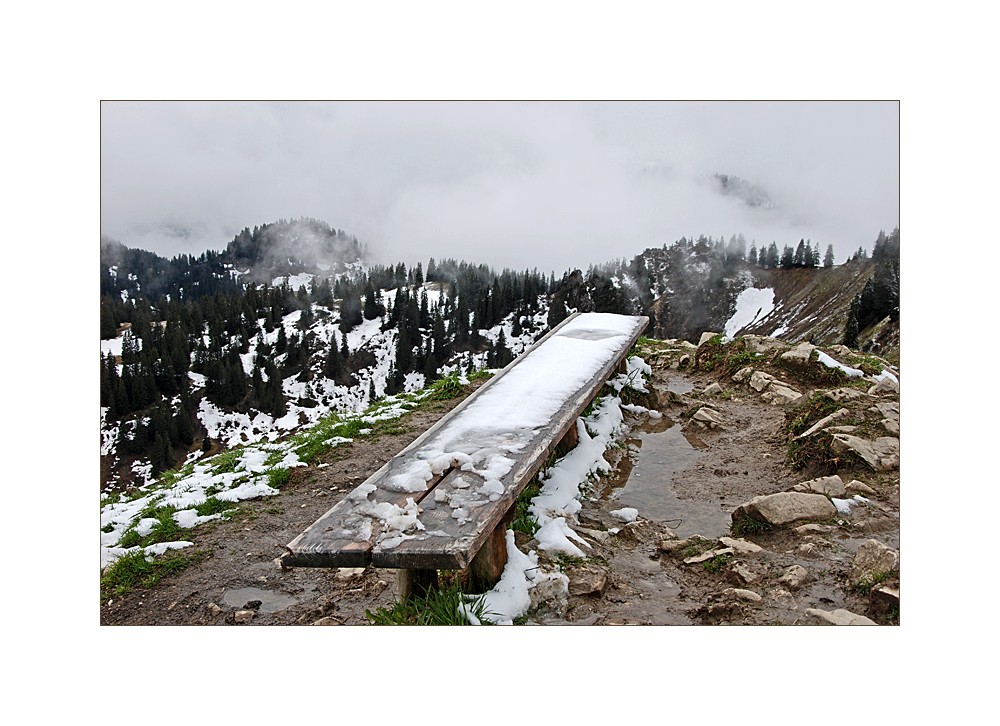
x=450, y=492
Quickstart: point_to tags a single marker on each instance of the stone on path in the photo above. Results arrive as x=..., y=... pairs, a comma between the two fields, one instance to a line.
x=707, y=417
x=785, y=507
x=740, y=594
x=872, y=558
x=839, y=395
x=823, y=422
x=882, y=454
x=886, y=385
x=840, y=617
x=813, y=529
x=795, y=577
x=244, y=616
x=859, y=487
x=704, y=556
x=831, y=486
x=712, y=389
x=741, y=546
x=587, y=579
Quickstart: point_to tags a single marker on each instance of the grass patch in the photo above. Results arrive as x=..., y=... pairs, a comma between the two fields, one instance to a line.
x=278, y=477
x=437, y=607
x=226, y=461
x=131, y=538
x=446, y=388
x=213, y=506
x=867, y=584
x=748, y=525
x=133, y=569
x=716, y=564
x=805, y=415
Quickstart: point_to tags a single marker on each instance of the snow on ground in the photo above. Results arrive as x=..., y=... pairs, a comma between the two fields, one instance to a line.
x=852, y=372
x=752, y=305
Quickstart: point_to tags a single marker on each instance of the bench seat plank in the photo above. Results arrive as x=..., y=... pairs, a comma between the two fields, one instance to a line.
x=489, y=447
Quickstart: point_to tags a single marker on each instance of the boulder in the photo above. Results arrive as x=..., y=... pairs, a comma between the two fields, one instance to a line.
x=872, y=558
x=705, y=337
x=831, y=486
x=685, y=360
x=839, y=617
x=891, y=426
x=881, y=454
x=800, y=356
x=244, y=616
x=842, y=350
x=744, y=574
x=742, y=374
x=713, y=389
x=888, y=409
x=786, y=507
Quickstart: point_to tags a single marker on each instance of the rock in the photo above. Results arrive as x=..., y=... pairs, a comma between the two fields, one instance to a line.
x=760, y=380
x=328, y=620
x=808, y=549
x=883, y=599
x=761, y=344
x=587, y=579
x=345, y=574
x=785, y=507
x=839, y=395
x=842, y=350
x=841, y=429
x=594, y=534
x=825, y=421
x=886, y=385
x=872, y=558
x=676, y=545
x=881, y=454
x=685, y=360
x=795, y=577
x=873, y=525
x=741, y=545
x=780, y=395
x=813, y=529
x=705, y=337
x=704, y=556
x=831, y=486
x=707, y=417
x=744, y=574
x=214, y=609
x=742, y=374
x=858, y=487
x=891, y=426
x=740, y=594
x=551, y=589
x=244, y=616
x=800, y=356
x=889, y=409
x=840, y=617
x=713, y=389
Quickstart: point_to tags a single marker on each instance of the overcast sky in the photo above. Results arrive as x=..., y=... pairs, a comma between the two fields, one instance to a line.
x=521, y=185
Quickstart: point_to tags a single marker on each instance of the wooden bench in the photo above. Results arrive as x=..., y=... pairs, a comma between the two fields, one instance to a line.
x=444, y=501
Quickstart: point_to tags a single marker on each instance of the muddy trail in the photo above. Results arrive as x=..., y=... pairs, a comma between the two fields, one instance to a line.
x=678, y=563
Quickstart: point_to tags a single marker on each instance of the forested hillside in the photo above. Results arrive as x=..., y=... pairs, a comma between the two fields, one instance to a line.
x=290, y=321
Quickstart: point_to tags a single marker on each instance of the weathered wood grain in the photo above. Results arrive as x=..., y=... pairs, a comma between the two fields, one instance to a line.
x=335, y=539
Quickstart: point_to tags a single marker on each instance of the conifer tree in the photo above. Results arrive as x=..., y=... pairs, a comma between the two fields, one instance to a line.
x=828, y=258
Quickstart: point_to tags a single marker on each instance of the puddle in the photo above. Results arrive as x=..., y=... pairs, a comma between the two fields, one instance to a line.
x=270, y=602
x=659, y=451
x=678, y=385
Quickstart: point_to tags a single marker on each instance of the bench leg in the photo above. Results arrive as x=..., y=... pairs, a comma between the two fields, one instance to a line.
x=487, y=566
x=415, y=583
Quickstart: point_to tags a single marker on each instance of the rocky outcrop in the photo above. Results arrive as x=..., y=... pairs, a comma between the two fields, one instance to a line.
x=839, y=617
x=799, y=357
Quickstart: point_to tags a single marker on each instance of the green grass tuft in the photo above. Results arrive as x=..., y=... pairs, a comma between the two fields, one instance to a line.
x=437, y=607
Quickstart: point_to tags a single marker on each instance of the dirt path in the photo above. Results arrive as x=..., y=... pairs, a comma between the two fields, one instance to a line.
x=627, y=577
